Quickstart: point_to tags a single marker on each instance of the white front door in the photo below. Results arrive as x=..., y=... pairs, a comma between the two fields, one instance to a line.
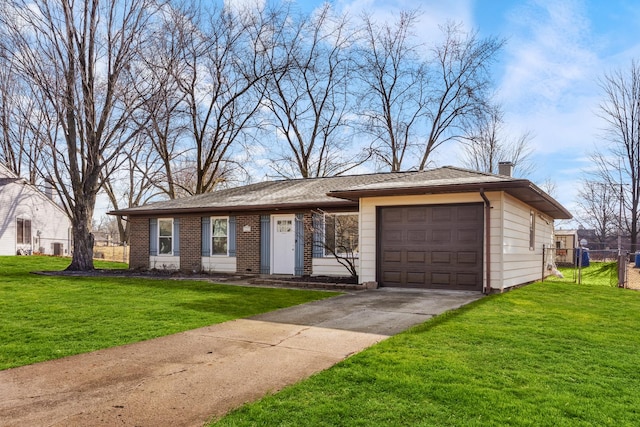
x=283, y=247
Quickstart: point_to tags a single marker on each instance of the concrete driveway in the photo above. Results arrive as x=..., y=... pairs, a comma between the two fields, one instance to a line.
x=188, y=378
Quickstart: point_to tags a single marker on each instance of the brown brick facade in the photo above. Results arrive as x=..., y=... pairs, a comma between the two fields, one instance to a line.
x=248, y=244
x=191, y=244
x=139, y=242
x=308, y=243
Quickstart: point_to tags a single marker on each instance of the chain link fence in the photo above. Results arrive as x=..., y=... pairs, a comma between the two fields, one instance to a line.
x=608, y=262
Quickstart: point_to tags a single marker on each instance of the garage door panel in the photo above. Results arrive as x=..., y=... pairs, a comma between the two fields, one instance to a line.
x=415, y=278
x=441, y=257
x=469, y=213
x=392, y=277
x=392, y=215
x=441, y=236
x=441, y=278
x=431, y=246
x=467, y=257
x=392, y=256
x=393, y=235
x=441, y=214
x=416, y=214
x=417, y=236
x=466, y=279
x=465, y=236
x=416, y=257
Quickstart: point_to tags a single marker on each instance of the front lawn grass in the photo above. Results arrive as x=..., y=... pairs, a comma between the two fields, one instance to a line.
x=548, y=354
x=47, y=317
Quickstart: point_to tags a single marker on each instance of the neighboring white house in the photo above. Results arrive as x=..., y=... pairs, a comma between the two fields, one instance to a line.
x=30, y=221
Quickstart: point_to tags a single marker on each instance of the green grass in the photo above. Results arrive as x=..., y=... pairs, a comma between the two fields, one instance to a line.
x=47, y=317
x=597, y=274
x=549, y=354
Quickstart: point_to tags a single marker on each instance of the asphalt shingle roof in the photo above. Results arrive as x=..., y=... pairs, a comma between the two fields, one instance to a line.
x=330, y=192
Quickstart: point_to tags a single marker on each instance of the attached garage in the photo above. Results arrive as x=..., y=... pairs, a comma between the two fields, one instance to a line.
x=431, y=246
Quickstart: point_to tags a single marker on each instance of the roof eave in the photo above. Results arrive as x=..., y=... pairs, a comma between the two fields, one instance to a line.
x=156, y=212
x=542, y=201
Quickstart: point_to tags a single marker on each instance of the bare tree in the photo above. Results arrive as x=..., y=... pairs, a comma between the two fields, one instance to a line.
x=308, y=95
x=414, y=102
x=20, y=124
x=485, y=145
x=221, y=66
x=164, y=109
x=10, y=149
x=394, y=94
x=619, y=163
x=75, y=57
x=550, y=187
x=460, y=85
x=135, y=182
x=598, y=203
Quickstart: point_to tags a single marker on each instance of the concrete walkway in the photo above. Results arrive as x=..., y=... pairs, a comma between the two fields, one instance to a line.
x=188, y=378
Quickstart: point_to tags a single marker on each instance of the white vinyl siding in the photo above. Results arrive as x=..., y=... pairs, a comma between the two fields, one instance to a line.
x=164, y=262
x=520, y=263
x=219, y=264
x=329, y=266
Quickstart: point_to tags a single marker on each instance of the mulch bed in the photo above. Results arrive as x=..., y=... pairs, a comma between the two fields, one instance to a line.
x=308, y=282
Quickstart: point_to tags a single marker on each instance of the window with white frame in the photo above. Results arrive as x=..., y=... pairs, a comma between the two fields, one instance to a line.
x=341, y=234
x=532, y=230
x=23, y=231
x=219, y=236
x=165, y=236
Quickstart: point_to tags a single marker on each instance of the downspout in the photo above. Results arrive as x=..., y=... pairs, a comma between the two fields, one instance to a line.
x=487, y=239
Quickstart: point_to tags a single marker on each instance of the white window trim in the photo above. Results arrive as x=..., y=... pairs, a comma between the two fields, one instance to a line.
x=160, y=237
x=356, y=254
x=211, y=254
x=532, y=230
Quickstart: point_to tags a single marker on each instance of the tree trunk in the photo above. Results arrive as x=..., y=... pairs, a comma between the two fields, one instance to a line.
x=83, y=240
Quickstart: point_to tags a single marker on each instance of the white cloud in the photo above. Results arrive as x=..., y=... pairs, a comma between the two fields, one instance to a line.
x=434, y=13
x=548, y=54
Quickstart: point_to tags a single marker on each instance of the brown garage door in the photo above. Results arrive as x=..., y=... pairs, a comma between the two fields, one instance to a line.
x=435, y=246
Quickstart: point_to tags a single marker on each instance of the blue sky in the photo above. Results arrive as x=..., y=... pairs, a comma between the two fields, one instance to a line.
x=547, y=75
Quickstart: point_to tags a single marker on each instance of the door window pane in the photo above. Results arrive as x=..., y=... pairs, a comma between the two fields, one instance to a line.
x=284, y=225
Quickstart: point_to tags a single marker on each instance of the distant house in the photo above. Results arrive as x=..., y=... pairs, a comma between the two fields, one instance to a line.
x=565, y=243
x=30, y=221
x=445, y=228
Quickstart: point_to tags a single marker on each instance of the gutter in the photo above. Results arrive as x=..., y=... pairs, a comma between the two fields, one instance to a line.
x=266, y=208
x=487, y=240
